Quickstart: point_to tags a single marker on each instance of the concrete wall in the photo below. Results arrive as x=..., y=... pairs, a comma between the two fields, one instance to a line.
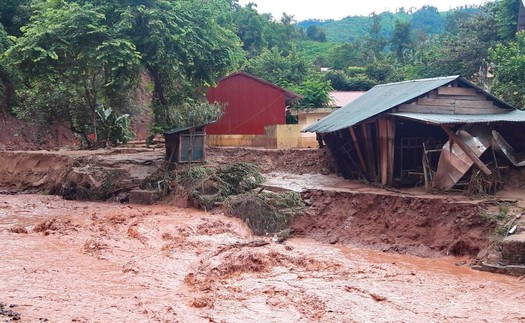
x=276, y=136
x=308, y=118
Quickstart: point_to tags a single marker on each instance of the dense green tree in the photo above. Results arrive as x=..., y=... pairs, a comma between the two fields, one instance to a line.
x=354, y=80
x=283, y=34
x=293, y=71
x=314, y=89
x=509, y=71
x=183, y=48
x=281, y=68
x=507, y=18
x=380, y=72
x=251, y=27
x=80, y=54
x=401, y=40
x=456, y=17
x=6, y=77
x=347, y=54
x=360, y=83
x=463, y=53
x=14, y=14
x=73, y=63
x=315, y=33
x=338, y=79
x=374, y=44
x=428, y=20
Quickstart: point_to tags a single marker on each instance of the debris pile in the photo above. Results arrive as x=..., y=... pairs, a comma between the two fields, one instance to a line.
x=231, y=186
x=266, y=212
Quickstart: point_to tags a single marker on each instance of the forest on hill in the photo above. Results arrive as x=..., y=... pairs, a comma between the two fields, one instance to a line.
x=84, y=61
x=426, y=19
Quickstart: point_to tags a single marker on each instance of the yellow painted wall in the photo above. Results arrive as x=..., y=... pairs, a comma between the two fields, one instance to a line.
x=240, y=141
x=276, y=136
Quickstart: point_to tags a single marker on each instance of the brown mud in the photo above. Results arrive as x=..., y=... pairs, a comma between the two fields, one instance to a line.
x=100, y=170
x=352, y=257
x=291, y=161
x=104, y=262
x=421, y=226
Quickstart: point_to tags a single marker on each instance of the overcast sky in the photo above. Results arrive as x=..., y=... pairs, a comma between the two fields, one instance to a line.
x=337, y=9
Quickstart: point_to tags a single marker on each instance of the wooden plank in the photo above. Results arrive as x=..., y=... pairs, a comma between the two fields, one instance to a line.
x=444, y=90
x=452, y=135
x=358, y=149
x=436, y=102
x=433, y=94
x=382, y=126
x=425, y=109
x=463, y=97
x=474, y=104
x=474, y=111
x=391, y=133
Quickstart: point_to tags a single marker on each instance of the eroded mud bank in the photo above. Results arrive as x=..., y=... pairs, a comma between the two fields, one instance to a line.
x=423, y=226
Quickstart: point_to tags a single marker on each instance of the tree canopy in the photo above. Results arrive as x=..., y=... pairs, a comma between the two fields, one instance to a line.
x=78, y=55
x=71, y=59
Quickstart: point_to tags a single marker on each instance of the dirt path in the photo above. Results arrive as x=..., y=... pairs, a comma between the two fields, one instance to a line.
x=92, y=262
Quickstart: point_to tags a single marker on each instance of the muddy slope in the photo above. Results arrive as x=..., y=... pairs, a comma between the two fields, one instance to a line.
x=91, y=171
x=396, y=223
x=294, y=161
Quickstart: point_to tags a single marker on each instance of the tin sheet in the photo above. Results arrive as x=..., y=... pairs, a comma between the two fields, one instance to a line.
x=454, y=162
x=500, y=144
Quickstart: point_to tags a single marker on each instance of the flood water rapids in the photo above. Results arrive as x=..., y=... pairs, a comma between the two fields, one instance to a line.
x=70, y=261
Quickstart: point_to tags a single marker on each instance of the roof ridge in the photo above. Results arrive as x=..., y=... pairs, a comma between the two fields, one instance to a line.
x=452, y=77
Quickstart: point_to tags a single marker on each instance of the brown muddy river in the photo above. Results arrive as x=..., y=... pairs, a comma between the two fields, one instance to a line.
x=92, y=262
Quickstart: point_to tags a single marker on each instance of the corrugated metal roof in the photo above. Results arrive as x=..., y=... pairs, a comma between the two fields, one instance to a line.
x=441, y=119
x=181, y=129
x=377, y=100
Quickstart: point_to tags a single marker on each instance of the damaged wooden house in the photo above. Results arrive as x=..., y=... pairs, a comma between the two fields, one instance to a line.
x=441, y=132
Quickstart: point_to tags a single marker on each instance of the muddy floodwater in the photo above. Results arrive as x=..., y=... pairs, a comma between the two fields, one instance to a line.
x=66, y=261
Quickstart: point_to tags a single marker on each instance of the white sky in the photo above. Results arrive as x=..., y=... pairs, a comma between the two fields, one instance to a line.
x=338, y=9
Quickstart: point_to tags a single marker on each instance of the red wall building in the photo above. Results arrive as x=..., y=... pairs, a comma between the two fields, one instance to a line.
x=252, y=104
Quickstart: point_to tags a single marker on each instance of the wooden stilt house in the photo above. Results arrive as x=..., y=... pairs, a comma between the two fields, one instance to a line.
x=391, y=132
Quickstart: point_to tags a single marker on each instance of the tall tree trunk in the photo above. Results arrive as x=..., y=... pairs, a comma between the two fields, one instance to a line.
x=159, y=96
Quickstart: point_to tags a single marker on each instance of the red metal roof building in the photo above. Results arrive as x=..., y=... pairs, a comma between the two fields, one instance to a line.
x=521, y=16
x=252, y=104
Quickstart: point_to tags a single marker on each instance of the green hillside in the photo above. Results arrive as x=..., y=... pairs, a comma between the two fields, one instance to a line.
x=426, y=19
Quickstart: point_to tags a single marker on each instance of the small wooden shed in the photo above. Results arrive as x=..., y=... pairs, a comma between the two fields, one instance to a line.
x=386, y=134
x=185, y=144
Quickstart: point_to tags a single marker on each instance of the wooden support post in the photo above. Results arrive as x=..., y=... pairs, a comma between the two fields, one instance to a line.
x=391, y=134
x=452, y=135
x=369, y=146
x=382, y=129
x=358, y=149
x=386, y=133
